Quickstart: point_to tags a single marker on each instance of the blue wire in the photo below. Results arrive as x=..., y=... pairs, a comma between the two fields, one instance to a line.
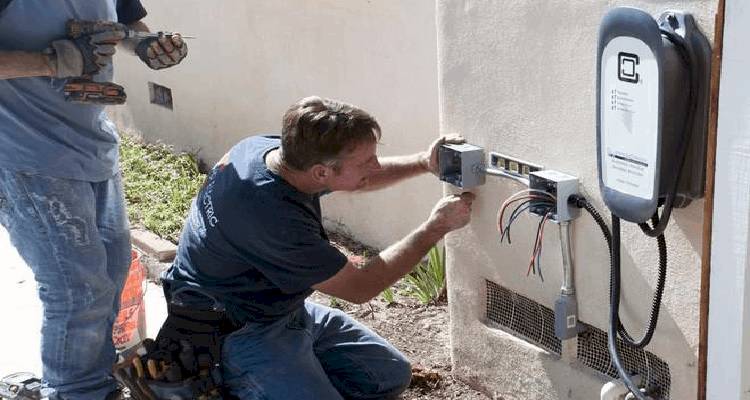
x=515, y=214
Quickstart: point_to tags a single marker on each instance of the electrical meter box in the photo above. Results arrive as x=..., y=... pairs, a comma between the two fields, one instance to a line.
x=461, y=165
x=652, y=107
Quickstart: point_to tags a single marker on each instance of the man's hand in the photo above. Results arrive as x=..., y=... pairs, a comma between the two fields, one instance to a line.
x=430, y=158
x=162, y=52
x=451, y=213
x=85, y=55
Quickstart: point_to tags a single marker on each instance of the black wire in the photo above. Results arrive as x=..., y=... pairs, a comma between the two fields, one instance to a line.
x=616, y=327
x=614, y=311
x=581, y=202
x=535, y=250
x=516, y=212
x=687, y=131
x=546, y=207
x=656, y=302
x=519, y=209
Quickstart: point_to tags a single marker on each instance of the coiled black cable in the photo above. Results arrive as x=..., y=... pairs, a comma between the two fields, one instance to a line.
x=614, y=286
x=616, y=327
x=656, y=302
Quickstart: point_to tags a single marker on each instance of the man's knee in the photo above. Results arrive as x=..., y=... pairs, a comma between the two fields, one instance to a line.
x=386, y=383
x=400, y=379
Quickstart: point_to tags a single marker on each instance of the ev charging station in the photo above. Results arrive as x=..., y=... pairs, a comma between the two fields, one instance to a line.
x=652, y=85
x=651, y=125
x=652, y=108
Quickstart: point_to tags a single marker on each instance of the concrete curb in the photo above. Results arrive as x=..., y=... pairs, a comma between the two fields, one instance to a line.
x=157, y=253
x=155, y=247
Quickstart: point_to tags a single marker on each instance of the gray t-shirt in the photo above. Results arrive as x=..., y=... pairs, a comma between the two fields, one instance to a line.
x=40, y=132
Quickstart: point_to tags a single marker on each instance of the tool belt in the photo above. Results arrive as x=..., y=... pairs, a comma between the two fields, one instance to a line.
x=183, y=362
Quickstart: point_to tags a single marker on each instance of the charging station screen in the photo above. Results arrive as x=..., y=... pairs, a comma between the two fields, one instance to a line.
x=629, y=117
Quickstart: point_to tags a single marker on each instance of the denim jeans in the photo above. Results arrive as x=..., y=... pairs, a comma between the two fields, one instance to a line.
x=74, y=235
x=316, y=353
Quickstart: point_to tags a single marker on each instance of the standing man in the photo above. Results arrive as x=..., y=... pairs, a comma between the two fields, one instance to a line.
x=254, y=242
x=61, y=197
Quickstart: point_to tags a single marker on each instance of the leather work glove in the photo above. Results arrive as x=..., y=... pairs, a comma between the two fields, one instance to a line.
x=84, y=56
x=164, y=51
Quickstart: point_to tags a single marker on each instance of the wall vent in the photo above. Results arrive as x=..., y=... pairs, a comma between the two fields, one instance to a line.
x=522, y=316
x=593, y=353
x=160, y=95
x=534, y=323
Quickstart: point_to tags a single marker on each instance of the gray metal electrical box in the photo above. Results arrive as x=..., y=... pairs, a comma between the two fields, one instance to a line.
x=461, y=165
x=559, y=185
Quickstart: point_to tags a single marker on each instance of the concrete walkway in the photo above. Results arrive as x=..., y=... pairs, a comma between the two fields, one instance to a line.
x=22, y=312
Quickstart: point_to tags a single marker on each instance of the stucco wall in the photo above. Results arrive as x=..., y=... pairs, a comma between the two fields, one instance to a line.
x=519, y=77
x=252, y=59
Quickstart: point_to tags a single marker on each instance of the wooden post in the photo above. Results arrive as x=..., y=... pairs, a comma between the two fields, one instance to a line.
x=708, y=207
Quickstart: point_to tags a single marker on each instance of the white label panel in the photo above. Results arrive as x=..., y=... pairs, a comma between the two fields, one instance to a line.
x=629, y=116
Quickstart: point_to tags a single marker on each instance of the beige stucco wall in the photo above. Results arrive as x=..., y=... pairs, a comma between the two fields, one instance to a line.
x=519, y=77
x=253, y=58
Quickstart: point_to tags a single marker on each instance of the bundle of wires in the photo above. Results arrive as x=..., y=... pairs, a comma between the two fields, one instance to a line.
x=544, y=205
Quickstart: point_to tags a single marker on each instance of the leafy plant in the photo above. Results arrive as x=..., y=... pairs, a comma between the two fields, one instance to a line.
x=427, y=281
x=159, y=185
x=388, y=295
x=335, y=302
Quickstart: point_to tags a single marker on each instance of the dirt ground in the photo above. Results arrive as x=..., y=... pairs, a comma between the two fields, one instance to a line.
x=420, y=332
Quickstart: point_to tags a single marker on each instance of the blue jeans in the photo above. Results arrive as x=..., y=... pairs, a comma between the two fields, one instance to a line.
x=316, y=353
x=74, y=235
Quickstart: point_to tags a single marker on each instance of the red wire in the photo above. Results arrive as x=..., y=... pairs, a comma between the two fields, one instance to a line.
x=536, y=251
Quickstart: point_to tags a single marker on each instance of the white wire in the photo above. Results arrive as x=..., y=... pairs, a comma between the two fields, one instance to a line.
x=532, y=191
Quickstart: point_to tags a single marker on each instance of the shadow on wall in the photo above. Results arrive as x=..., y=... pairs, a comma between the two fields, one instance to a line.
x=690, y=221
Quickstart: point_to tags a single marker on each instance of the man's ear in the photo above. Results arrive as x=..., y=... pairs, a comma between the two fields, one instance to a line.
x=320, y=173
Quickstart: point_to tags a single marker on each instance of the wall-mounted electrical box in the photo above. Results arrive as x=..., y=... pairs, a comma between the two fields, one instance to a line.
x=461, y=165
x=560, y=185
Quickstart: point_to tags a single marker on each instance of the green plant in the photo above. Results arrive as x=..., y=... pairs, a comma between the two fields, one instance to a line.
x=388, y=295
x=335, y=302
x=427, y=280
x=159, y=185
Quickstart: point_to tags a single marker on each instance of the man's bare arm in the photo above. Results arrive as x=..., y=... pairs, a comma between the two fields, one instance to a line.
x=359, y=285
x=396, y=169
x=23, y=64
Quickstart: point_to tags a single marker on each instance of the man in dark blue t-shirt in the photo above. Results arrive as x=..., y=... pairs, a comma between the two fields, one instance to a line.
x=254, y=242
x=61, y=196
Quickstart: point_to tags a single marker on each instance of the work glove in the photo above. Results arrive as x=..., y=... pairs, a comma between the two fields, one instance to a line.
x=164, y=51
x=83, y=56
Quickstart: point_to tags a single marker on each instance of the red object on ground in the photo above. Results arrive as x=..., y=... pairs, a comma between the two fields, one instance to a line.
x=130, y=326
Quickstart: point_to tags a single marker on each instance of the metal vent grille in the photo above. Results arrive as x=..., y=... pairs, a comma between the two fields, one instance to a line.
x=534, y=323
x=593, y=353
x=522, y=316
